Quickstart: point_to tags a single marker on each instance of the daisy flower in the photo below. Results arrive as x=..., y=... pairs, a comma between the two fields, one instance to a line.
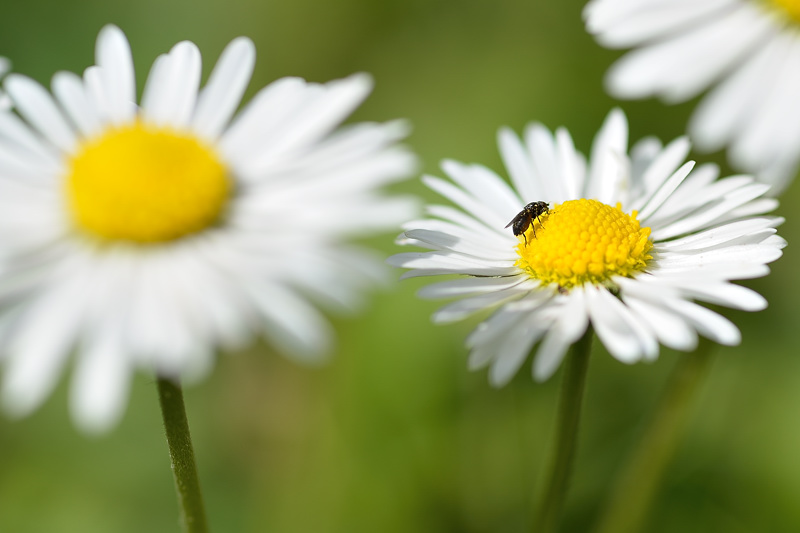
x=626, y=243
x=146, y=235
x=747, y=50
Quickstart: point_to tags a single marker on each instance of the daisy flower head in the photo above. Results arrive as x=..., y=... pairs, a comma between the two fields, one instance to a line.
x=746, y=51
x=146, y=235
x=625, y=243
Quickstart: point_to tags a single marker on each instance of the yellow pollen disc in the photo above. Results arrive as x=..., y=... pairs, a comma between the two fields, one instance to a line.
x=584, y=241
x=789, y=7
x=145, y=184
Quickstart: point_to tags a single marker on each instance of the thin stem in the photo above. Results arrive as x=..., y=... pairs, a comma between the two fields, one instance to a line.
x=636, y=487
x=181, y=454
x=569, y=412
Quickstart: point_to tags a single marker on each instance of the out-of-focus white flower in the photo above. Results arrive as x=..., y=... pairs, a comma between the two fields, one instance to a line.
x=627, y=245
x=146, y=235
x=747, y=50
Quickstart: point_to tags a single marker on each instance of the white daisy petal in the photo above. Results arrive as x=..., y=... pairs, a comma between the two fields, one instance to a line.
x=664, y=164
x=710, y=324
x=571, y=166
x=759, y=206
x=467, y=202
x=18, y=139
x=606, y=172
x=485, y=184
x=97, y=93
x=720, y=234
x=484, y=338
x=322, y=114
x=226, y=85
x=445, y=241
x=23, y=167
x=673, y=69
x=100, y=386
x=693, y=236
x=727, y=107
x=739, y=253
x=38, y=108
x=69, y=90
x=156, y=90
x=602, y=14
x=457, y=217
x=294, y=326
x=446, y=260
x=540, y=142
x=704, y=218
x=519, y=165
x=36, y=360
x=727, y=294
x=716, y=271
x=671, y=329
x=569, y=325
x=663, y=193
x=643, y=25
x=475, y=232
x=612, y=329
x=465, y=286
x=171, y=89
x=113, y=55
x=461, y=309
x=773, y=133
x=642, y=155
x=697, y=195
x=514, y=349
x=261, y=118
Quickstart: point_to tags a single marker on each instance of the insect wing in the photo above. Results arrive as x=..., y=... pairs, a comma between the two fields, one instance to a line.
x=512, y=221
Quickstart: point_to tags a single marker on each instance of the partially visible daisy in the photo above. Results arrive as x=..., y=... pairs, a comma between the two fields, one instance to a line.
x=628, y=244
x=748, y=50
x=146, y=235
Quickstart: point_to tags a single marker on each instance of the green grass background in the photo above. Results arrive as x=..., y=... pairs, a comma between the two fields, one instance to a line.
x=394, y=434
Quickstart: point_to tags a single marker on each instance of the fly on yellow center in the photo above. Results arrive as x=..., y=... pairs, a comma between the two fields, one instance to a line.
x=791, y=8
x=146, y=184
x=584, y=241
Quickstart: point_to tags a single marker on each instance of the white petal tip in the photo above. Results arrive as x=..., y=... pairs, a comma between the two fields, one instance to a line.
x=110, y=31
x=360, y=82
x=243, y=45
x=398, y=128
x=5, y=65
x=14, y=81
x=498, y=382
x=96, y=423
x=18, y=406
x=540, y=376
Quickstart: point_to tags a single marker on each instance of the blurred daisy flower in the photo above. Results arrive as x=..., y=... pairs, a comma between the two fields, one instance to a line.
x=147, y=235
x=748, y=49
x=626, y=244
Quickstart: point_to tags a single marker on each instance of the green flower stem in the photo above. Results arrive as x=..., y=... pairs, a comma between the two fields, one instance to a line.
x=181, y=454
x=636, y=487
x=548, y=512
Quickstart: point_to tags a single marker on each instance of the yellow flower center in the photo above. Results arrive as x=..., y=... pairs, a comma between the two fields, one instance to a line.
x=788, y=7
x=146, y=184
x=584, y=241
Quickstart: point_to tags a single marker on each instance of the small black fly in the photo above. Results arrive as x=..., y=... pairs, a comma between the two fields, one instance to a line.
x=524, y=218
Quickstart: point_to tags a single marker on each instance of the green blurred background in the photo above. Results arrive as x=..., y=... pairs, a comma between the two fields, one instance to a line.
x=394, y=434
